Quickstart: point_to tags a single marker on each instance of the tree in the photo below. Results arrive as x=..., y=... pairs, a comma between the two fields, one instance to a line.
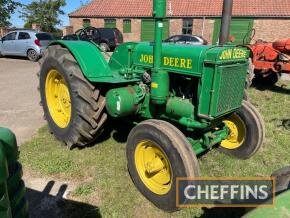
x=43, y=12
x=85, y=2
x=7, y=7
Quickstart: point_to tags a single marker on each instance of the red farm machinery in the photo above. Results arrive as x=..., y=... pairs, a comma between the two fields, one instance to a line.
x=269, y=60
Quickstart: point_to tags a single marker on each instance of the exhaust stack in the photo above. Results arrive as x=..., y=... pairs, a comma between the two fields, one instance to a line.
x=226, y=22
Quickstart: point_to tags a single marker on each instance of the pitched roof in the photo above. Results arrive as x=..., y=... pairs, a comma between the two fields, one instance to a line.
x=187, y=8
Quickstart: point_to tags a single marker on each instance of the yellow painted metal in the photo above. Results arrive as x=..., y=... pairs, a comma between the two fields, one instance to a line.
x=237, y=134
x=153, y=167
x=58, y=98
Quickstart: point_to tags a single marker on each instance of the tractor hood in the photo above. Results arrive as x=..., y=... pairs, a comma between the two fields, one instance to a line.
x=187, y=59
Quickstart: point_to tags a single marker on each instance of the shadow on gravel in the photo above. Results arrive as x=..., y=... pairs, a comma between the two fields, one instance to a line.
x=44, y=205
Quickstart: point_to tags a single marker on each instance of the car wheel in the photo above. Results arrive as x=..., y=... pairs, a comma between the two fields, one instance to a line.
x=32, y=55
x=104, y=46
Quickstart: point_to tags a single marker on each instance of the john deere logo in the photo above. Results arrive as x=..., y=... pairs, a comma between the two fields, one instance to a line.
x=235, y=53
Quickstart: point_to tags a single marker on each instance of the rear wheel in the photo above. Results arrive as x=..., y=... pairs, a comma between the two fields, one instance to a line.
x=32, y=55
x=158, y=153
x=247, y=132
x=73, y=108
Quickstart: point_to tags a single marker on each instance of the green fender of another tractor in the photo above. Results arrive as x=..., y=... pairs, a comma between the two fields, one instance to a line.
x=91, y=61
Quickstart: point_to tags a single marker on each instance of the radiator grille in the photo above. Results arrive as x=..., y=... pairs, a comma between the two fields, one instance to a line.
x=230, y=86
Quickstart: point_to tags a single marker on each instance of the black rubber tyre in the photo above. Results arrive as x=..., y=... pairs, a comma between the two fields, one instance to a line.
x=178, y=152
x=269, y=80
x=104, y=46
x=32, y=55
x=87, y=104
x=282, y=179
x=254, y=135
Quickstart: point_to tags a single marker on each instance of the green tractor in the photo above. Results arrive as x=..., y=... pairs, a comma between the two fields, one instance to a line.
x=183, y=100
x=12, y=189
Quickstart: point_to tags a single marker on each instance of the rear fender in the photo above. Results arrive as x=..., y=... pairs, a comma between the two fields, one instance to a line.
x=91, y=61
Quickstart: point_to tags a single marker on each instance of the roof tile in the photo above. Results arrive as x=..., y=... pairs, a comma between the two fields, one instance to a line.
x=190, y=8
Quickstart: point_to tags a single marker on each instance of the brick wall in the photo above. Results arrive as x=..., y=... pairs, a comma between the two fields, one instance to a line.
x=271, y=30
x=67, y=30
x=175, y=27
x=266, y=29
x=77, y=23
x=208, y=28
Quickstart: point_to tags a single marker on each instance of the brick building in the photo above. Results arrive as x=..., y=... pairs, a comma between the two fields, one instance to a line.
x=270, y=18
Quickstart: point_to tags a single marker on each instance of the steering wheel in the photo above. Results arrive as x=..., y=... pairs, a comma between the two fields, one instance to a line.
x=83, y=33
x=252, y=33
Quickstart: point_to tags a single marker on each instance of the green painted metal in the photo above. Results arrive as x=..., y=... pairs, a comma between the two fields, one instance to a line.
x=159, y=87
x=147, y=29
x=280, y=209
x=216, y=67
x=239, y=30
x=124, y=101
x=191, y=86
x=12, y=189
x=88, y=57
x=178, y=107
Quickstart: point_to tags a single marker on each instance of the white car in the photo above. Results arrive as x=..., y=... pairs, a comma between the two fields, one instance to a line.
x=25, y=43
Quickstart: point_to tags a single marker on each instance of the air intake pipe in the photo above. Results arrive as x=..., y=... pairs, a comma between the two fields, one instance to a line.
x=160, y=78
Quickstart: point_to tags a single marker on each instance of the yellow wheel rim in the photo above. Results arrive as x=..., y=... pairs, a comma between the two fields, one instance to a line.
x=153, y=167
x=58, y=98
x=237, y=133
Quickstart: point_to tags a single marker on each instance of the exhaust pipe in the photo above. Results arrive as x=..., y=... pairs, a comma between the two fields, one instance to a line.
x=226, y=22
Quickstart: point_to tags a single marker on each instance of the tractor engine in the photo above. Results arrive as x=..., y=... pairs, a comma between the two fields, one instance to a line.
x=203, y=83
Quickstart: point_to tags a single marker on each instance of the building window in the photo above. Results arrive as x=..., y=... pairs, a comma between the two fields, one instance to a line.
x=187, y=26
x=110, y=23
x=127, y=26
x=86, y=23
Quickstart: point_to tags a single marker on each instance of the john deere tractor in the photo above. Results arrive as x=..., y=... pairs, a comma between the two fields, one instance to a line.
x=182, y=99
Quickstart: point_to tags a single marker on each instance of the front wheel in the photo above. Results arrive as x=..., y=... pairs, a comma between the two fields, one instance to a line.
x=247, y=132
x=158, y=153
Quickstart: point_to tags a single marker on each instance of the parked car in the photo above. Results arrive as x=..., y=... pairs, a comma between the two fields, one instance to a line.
x=187, y=39
x=26, y=43
x=107, y=38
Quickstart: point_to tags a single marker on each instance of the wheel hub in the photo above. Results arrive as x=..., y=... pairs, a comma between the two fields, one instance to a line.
x=153, y=167
x=237, y=132
x=58, y=98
